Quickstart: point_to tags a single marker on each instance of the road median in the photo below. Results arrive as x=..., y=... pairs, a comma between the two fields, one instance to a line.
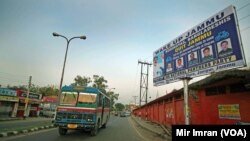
x=25, y=130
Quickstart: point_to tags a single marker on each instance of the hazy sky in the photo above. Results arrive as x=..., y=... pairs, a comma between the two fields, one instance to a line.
x=119, y=33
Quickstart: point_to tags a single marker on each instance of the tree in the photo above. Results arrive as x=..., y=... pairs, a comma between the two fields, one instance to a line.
x=34, y=88
x=81, y=81
x=49, y=90
x=119, y=106
x=20, y=87
x=100, y=83
x=113, y=96
x=45, y=91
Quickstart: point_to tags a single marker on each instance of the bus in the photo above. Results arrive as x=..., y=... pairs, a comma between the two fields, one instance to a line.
x=84, y=108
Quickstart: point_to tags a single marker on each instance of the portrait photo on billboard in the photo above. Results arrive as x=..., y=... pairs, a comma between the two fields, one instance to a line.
x=179, y=63
x=158, y=63
x=193, y=58
x=207, y=54
x=224, y=48
x=169, y=67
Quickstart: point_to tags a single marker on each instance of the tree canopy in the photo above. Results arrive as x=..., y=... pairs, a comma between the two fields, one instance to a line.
x=119, y=106
x=97, y=81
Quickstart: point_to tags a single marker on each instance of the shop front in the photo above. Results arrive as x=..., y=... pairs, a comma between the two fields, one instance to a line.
x=8, y=103
x=33, y=103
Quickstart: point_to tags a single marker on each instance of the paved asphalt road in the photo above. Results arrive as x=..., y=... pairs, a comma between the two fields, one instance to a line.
x=118, y=129
x=20, y=124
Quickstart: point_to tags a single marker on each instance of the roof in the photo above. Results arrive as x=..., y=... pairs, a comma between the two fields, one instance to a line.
x=234, y=74
x=80, y=89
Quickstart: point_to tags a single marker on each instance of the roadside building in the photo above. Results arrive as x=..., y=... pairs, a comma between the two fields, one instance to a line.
x=34, y=101
x=222, y=98
x=130, y=107
x=48, y=106
x=8, y=103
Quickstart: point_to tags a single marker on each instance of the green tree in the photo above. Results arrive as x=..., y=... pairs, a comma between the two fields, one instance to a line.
x=49, y=90
x=81, y=81
x=21, y=87
x=119, y=106
x=34, y=88
x=113, y=96
x=100, y=83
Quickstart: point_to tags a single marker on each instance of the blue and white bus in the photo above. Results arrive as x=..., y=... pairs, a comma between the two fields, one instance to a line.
x=85, y=108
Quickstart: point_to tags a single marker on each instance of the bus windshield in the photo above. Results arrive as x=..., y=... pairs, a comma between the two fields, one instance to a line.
x=68, y=98
x=87, y=98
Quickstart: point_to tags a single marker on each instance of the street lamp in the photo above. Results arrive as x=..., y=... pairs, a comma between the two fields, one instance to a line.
x=68, y=41
x=109, y=89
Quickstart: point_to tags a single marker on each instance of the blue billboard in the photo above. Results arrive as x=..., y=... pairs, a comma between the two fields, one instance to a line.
x=211, y=46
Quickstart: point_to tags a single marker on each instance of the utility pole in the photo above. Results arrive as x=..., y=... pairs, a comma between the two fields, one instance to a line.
x=27, y=99
x=144, y=82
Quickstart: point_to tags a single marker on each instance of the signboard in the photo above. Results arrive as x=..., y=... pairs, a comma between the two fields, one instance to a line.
x=231, y=111
x=49, y=99
x=9, y=98
x=7, y=92
x=32, y=95
x=30, y=101
x=211, y=46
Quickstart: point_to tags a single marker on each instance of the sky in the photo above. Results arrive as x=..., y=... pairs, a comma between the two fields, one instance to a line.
x=119, y=33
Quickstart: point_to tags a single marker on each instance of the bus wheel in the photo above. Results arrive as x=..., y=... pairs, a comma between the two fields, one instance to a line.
x=94, y=131
x=105, y=124
x=62, y=131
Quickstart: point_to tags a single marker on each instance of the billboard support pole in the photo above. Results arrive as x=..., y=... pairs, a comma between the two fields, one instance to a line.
x=186, y=106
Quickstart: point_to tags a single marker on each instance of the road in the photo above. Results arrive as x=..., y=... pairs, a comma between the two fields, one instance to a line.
x=21, y=124
x=118, y=129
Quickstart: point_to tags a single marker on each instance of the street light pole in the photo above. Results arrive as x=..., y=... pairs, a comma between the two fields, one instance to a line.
x=110, y=89
x=65, y=57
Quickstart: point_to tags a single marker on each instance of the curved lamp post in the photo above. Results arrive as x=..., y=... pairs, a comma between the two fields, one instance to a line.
x=111, y=89
x=68, y=41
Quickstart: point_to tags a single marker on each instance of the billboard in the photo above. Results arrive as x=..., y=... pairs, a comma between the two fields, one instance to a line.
x=211, y=46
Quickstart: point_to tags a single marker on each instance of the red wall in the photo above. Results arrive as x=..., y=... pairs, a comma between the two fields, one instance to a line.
x=203, y=110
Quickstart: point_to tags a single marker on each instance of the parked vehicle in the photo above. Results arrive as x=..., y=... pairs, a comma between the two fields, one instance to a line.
x=127, y=113
x=123, y=114
x=50, y=113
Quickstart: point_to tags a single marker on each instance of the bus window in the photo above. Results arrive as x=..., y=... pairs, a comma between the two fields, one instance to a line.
x=68, y=98
x=100, y=100
x=87, y=98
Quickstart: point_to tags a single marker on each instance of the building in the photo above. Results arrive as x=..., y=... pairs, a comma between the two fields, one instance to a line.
x=222, y=98
x=8, y=103
x=34, y=101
